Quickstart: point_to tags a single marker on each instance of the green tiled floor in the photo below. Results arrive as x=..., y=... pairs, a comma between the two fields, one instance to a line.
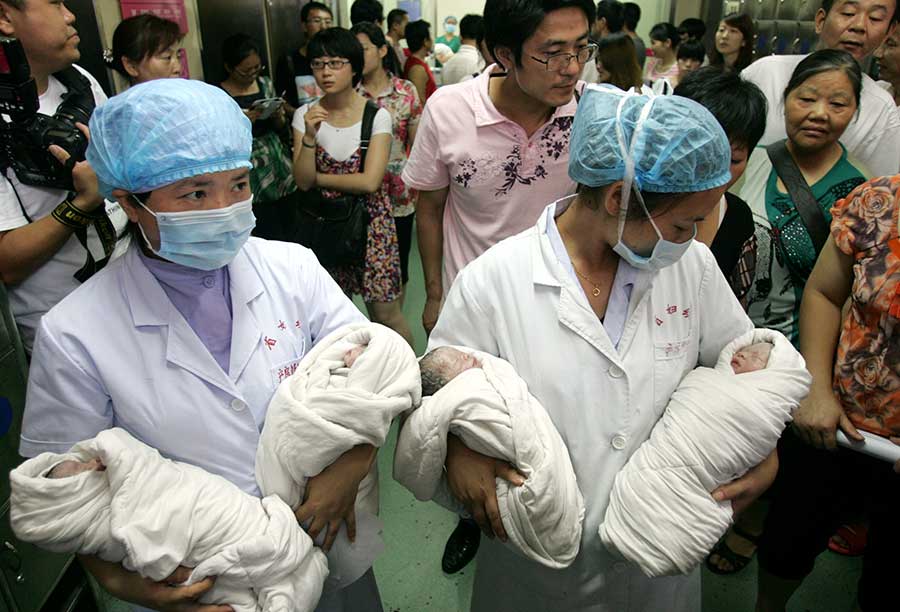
x=411, y=580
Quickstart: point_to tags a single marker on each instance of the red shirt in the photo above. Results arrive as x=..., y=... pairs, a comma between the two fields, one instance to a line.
x=430, y=86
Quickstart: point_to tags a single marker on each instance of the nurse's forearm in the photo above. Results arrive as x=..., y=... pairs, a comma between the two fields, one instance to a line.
x=25, y=249
x=430, y=231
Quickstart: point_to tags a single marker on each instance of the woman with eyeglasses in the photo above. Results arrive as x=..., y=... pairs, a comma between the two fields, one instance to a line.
x=271, y=178
x=327, y=156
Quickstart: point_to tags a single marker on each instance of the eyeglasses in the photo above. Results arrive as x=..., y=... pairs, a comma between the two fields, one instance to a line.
x=561, y=61
x=248, y=73
x=335, y=64
x=319, y=21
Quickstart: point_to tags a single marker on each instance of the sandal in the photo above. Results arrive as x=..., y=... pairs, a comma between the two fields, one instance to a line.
x=854, y=538
x=737, y=562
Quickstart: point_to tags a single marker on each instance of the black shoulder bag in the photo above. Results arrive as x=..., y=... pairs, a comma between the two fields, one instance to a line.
x=810, y=212
x=336, y=229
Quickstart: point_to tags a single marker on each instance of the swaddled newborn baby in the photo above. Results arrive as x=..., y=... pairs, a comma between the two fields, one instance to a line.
x=481, y=399
x=719, y=423
x=108, y=497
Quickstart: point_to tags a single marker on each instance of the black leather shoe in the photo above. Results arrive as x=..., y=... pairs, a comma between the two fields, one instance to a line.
x=461, y=546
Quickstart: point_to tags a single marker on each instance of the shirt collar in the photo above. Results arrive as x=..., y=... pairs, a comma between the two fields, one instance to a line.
x=394, y=86
x=487, y=114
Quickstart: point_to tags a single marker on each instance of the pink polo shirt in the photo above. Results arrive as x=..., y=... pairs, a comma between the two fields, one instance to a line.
x=500, y=180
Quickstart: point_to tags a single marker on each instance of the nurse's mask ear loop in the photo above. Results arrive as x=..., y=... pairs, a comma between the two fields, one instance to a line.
x=627, y=151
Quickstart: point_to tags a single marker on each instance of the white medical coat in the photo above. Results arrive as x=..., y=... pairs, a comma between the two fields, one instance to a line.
x=117, y=353
x=517, y=302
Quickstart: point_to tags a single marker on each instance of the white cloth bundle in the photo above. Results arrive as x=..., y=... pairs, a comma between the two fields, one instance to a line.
x=152, y=515
x=323, y=410
x=716, y=426
x=493, y=413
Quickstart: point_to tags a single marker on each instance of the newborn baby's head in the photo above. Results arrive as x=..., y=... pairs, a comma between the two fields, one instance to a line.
x=351, y=356
x=751, y=358
x=73, y=468
x=442, y=365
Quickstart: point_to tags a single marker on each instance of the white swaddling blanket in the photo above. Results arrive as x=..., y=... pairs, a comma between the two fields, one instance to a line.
x=152, y=514
x=492, y=412
x=716, y=427
x=323, y=410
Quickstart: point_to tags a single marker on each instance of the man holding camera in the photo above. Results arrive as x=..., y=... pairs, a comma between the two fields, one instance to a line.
x=51, y=238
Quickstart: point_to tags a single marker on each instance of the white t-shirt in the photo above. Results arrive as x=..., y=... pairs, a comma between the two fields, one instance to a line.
x=342, y=143
x=465, y=62
x=53, y=281
x=873, y=137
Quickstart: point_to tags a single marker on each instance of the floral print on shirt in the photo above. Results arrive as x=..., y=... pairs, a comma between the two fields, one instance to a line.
x=401, y=100
x=553, y=144
x=867, y=368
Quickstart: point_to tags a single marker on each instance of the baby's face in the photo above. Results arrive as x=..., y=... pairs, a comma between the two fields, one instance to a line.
x=73, y=468
x=751, y=358
x=351, y=356
x=456, y=362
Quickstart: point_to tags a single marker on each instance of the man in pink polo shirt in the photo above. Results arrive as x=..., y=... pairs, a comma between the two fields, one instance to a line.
x=492, y=152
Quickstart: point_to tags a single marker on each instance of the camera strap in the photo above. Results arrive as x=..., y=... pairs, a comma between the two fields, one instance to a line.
x=78, y=90
x=107, y=233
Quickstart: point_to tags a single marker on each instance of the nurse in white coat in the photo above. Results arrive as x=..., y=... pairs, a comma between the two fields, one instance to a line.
x=184, y=339
x=602, y=308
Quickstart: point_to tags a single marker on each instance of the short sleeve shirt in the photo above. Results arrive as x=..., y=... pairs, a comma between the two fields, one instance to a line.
x=341, y=143
x=499, y=179
x=21, y=204
x=867, y=368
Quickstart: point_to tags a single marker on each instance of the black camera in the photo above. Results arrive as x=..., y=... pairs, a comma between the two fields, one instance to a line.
x=25, y=134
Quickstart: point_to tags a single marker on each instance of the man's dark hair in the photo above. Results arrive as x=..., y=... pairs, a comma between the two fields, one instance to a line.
x=310, y=7
x=737, y=104
x=509, y=23
x=140, y=37
x=16, y=4
x=632, y=14
x=693, y=27
x=471, y=27
x=338, y=42
x=827, y=4
x=395, y=16
x=614, y=13
x=691, y=49
x=417, y=32
x=366, y=10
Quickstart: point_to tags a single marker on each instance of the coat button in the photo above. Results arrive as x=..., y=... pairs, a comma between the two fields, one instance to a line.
x=616, y=372
x=237, y=405
x=619, y=442
x=209, y=282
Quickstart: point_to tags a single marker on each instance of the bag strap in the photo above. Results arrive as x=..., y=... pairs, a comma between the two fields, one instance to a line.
x=810, y=212
x=368, y=121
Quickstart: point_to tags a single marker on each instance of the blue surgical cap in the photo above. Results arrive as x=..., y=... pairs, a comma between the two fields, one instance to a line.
x=166, y=130
x=680, y=148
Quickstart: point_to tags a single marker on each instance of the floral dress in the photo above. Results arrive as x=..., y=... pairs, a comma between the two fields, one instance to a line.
x=401, y=100
x=867, y=367
x=377, y=279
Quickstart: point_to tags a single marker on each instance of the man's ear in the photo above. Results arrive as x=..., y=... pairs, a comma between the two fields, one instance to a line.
x=821, y=14
x=504, y=55
x=6, y=24
x=124, y=199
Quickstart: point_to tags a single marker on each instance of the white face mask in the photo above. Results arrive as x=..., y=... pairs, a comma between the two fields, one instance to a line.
x=665, y=252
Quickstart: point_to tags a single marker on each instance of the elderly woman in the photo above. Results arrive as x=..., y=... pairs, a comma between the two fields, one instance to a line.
x=612, y=280
x=182, y=341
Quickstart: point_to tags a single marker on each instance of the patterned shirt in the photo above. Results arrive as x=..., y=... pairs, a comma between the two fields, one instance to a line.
x=499, y=179
x=401, y=100
x=867, y=367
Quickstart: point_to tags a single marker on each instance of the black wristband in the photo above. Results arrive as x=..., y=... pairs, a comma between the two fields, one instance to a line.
x=303, y=142
x=71, y=216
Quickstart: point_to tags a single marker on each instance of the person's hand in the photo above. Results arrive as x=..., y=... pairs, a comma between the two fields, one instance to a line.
x=252, y=114
x=313, y=119
x=430, y=313
x=747, y=489
x=471, y=477
x=331, y=495
x=165, y=596
x=84, y=179
x=818, y=417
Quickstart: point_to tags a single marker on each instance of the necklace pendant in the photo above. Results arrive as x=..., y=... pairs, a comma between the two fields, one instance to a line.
x=596, y=291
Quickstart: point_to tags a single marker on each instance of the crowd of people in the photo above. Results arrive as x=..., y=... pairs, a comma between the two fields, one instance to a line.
x=603, y=213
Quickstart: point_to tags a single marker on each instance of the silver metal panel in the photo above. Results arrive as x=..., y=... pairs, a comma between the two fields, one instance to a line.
x=219, y=20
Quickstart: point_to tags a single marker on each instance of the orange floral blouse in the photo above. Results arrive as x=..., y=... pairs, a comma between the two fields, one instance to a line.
x=867, y=368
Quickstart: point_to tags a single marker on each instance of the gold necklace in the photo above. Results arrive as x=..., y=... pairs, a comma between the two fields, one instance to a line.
x=596, y=292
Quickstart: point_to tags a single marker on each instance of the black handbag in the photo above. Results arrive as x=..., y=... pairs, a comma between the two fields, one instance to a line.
x=337, y=229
